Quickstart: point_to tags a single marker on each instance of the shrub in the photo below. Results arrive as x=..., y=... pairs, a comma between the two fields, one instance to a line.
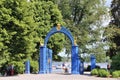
x=116, y=74
x=3, y=69
x=119, y=73
x=19, y=67
x=94, y=72
x=115, y=62
x=103, y=73
x=33, y=66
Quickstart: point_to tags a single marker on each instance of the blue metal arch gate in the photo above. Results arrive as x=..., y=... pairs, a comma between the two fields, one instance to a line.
x=75, y=63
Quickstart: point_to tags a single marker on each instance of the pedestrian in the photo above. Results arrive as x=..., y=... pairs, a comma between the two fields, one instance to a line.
x=8, y=70
x=11, y=70
x=108, y=67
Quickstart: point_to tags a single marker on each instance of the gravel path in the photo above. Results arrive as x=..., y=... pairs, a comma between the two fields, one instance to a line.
x=57, y=76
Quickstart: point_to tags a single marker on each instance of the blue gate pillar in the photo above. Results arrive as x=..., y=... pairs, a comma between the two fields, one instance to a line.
x=27, y=67
x=42, y=60
x=75, y=60
x=49, y=60
x=93, y=61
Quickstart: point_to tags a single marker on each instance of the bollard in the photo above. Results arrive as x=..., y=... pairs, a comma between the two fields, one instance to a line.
x=27, y=67
x=93, y=62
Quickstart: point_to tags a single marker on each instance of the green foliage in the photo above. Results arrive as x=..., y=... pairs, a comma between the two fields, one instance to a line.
x=56, y=44
x=19, y=67
x=22, y=24
x=113, y=30
x=115, y=62
x=94, y=72
x=84, y=19
x=18, y=26
x=100, y=57
x=103, y=73
x=33, y=66
x=116, y=74
x=115, y=8
x=5, y=36
x=47, y=15
x=100, y=72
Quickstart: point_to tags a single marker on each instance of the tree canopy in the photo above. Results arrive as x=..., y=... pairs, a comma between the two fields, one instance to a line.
x=25, y=23
x=22, y=24
x=85, y=20
x=113, y=30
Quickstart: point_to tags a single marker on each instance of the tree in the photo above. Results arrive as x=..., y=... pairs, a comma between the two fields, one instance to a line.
x=113, y=34
x=22, y=24
x=113, y=30
x=84, y=19
x=47, y=15
x=4, y=53
x=16, y=32
x=115, y=62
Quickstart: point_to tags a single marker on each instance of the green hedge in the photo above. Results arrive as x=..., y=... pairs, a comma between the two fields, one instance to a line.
x=116, y=74
x=103, y=73
x=94, y=72
x=100, y=72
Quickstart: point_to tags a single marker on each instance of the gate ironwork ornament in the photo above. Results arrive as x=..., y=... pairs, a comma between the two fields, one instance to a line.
x=75, y=41
x=41, y=42
x=58, y=27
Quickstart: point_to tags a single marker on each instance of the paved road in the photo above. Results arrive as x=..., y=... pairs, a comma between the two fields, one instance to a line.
x=58, y=76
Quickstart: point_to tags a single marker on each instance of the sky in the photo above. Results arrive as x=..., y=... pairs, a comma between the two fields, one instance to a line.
x=108, y=2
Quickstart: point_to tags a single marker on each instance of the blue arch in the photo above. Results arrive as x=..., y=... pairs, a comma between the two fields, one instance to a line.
x=75, y=62
x=62, y=30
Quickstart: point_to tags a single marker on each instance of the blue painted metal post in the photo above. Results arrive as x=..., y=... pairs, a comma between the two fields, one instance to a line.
x=47, y=60
x=42, y=60
x=50, y=60
x=75, y=60
x=27, y=67
x=81, y=67
x=93, y=62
